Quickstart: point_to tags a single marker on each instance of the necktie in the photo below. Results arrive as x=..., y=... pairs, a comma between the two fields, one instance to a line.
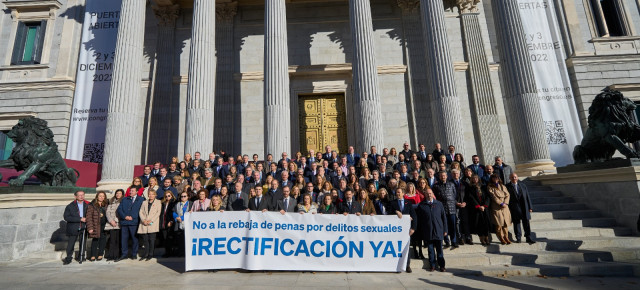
x=401, y=205
x=286, y=204
x=239, y=195
x=349, y=205
x=258, y=202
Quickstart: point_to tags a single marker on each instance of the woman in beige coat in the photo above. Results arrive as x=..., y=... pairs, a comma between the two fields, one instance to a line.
x=149, y=223
x=500, y=214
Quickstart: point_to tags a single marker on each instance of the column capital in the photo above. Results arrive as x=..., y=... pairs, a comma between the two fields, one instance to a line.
x=167, y=15
x=467, y=6
x=409, y=5
x=226, y=11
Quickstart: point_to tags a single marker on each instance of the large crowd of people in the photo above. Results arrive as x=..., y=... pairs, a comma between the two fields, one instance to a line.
x=447, y=199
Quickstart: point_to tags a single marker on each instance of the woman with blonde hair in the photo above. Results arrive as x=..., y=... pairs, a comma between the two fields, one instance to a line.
x=175, y=160
x=267, y=183
x=393, y=156
x=216, y=204
x=149, y=224
x=412, y=194
x=307, y=206
x=365, y=177
x=500, y=214
x=137, y=183
x=153, y=185
x=179, y=183
x=224, y=198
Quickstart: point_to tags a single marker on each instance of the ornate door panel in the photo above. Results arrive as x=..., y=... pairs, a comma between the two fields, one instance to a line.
x=322, y=122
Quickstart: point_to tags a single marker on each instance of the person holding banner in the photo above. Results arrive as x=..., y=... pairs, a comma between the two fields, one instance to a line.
x=405, y=206
x=350, y=205
x=432, y=226
x=183, y=206
x=327, y=206
x=216, y=204
x=203, y=203
x=287, y=203
x=74, y=215
x=260, y=202
x=367, y=205
x=307, y=205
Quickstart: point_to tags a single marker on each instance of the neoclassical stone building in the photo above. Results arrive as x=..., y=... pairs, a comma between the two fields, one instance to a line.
x=267, y=76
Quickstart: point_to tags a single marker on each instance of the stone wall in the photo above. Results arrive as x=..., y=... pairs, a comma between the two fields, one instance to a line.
x=25, y=231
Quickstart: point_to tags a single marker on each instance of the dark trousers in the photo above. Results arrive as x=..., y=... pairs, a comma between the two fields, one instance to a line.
x=98, y=244
x=129, y=231
x=518, y=231
x=463, y=225
x=435, y=246
x=451, y=224
x=167, y=241
x=149, y=242
x=71, y=243
x=114, y=244
x=179, y=236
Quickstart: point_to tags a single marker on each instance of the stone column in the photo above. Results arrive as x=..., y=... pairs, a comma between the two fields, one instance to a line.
x=202, y=76
x=445, y=105
x=520, y=93
x=277, y=113
x=486, y=118
x=366, y=105
x=225, y=108
x=161, y=117
x=123, y=140
x=416, y=71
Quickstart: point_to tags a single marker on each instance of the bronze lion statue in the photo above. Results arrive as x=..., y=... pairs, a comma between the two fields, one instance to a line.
x=611, y=126
x=37, y=154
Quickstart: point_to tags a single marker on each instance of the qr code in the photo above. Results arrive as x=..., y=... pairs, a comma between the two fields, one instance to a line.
x=554, y=131
x=93, y=152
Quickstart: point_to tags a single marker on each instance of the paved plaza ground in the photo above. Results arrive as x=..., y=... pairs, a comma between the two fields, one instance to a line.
x=169, y=274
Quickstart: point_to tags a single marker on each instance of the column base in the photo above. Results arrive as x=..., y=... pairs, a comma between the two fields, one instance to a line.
x=535, y=168
x=113, y=185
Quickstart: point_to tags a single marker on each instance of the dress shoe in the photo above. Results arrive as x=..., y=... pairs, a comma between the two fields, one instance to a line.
x=461, y=242
x=149, y=258
x=530, y=241
x=409, y=269
x=455, y=246
x=432, y=269
x=446, y=246
x=442, y=269
x=518, y=241
x=469, y=242
x=133, y=257
x=141, y=259
x=66, y=261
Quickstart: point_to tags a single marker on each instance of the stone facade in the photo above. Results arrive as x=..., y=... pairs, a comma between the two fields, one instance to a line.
x=25, y=231
x=320, y=57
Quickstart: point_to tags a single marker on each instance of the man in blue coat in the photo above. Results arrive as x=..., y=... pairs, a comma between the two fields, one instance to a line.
x=128, y=213
x=402, y=206
x=432, y=227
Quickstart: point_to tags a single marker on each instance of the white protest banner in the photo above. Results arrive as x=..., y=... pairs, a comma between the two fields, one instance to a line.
x=559, y=112
x=93, y=81
x=295, y=242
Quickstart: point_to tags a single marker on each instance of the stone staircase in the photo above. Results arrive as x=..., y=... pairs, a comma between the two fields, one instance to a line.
x=572, y=240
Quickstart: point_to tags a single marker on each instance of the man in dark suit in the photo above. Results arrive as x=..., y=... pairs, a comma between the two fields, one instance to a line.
x=287, y=203
x=260, y=202
x=401, y=207
x=156, y=168
x=285, y=181
x=216, y=189
x=352, y=157
x=406, y=151
x=218, y=169
x=195, y=168
x=422, y=153
x=520, y=207
x=239, y=199
x=146, y=175
x=503, y=170
x=302, y=163
x=475, y=166
x=284, y=161
x=372, y=159
x=350, y=205
x=446, y=193
x=311, y=191
x=275, y=192
x=173, y=170
x=245, y=163
x=197, y=156
x=432, y=225
x=451, y=154
x=437, y=151
x=162, y=176
x=327, y=153
x=75, y=215
x=312, y=171
x=227, y=168
x=431, y=177
x=462, y=226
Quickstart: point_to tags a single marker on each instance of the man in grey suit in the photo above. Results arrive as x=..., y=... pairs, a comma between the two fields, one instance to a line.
x=238, y=199
x=520, y=208
x=286, y=204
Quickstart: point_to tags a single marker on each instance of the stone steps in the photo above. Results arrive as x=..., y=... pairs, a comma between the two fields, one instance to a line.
x=549, y=207
x=600, y=269
x=561, y=224
x=550, y=200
